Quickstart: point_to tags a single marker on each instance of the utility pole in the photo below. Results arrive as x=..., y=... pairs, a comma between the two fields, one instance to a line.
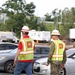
x=56, y=23
x=4, y=15
x=56, y=14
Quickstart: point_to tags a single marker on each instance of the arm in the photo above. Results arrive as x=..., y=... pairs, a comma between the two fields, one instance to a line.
x=64, y=57
x=52, y=48
x=18, y=52
x=16, y=56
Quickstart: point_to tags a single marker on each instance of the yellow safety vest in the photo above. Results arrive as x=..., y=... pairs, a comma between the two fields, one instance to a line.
x=59, y=49
x=27, y=52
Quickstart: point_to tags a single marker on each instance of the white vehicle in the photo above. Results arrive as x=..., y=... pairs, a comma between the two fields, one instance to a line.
x=40, y=35
x=4, y=36
x=71, y=34
x=40, y=67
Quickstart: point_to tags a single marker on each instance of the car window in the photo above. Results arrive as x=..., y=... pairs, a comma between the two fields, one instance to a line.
x=10, y=46
x=7, y=46
x=42, y=50
x=2, y=47
x=37, y=50
x=45, y=50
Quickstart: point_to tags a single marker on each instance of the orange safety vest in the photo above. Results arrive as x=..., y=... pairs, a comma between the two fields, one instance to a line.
x=59, y=49
x=27, y=52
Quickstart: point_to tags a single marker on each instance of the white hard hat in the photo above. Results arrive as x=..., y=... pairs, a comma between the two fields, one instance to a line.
x=25, y=29
x=55, y=32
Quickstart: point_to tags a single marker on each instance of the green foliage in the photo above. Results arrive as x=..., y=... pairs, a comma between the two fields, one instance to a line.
x=49, y=26
x=48, y=17
x=66, y=19
x=18, y=12
x=2, y=27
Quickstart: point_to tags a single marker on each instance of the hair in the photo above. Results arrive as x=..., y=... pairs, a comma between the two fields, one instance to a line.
x=25, y=33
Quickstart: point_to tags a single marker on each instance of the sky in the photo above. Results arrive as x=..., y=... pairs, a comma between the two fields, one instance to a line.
x=47, y=6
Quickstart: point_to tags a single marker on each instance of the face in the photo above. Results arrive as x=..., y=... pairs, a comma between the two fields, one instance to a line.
x=54, y=37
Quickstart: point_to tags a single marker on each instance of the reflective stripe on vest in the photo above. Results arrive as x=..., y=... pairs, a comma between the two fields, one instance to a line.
x=27, y=50
x=59, y=49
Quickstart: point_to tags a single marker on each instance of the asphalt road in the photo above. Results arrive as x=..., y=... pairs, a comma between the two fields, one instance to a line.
x=11, y=74
x=3, y=73
x=8, y=74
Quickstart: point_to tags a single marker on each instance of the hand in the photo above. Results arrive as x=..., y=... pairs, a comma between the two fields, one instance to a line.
x=47, y=64
x=15, y=61
x=62, y=65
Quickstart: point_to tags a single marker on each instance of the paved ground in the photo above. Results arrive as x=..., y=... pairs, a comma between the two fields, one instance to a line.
x=10, y=74
x=3, y=73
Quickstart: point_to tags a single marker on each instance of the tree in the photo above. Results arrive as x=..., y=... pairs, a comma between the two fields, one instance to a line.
x=67, y=21
x=55, y=14
x=48, y=17
x=73, y=13
x=18, y=12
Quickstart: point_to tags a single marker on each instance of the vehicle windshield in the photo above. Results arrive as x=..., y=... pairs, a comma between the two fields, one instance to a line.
x=70, y=52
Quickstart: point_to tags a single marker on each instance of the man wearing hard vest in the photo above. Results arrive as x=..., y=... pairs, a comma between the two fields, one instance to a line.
x=57, y=55
x=25, y=54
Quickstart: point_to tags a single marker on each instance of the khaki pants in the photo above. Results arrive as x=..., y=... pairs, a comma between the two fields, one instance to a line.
x=55, y=68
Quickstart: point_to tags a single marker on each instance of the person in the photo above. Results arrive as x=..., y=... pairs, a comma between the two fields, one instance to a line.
x=57, y=55
x=24, y=57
